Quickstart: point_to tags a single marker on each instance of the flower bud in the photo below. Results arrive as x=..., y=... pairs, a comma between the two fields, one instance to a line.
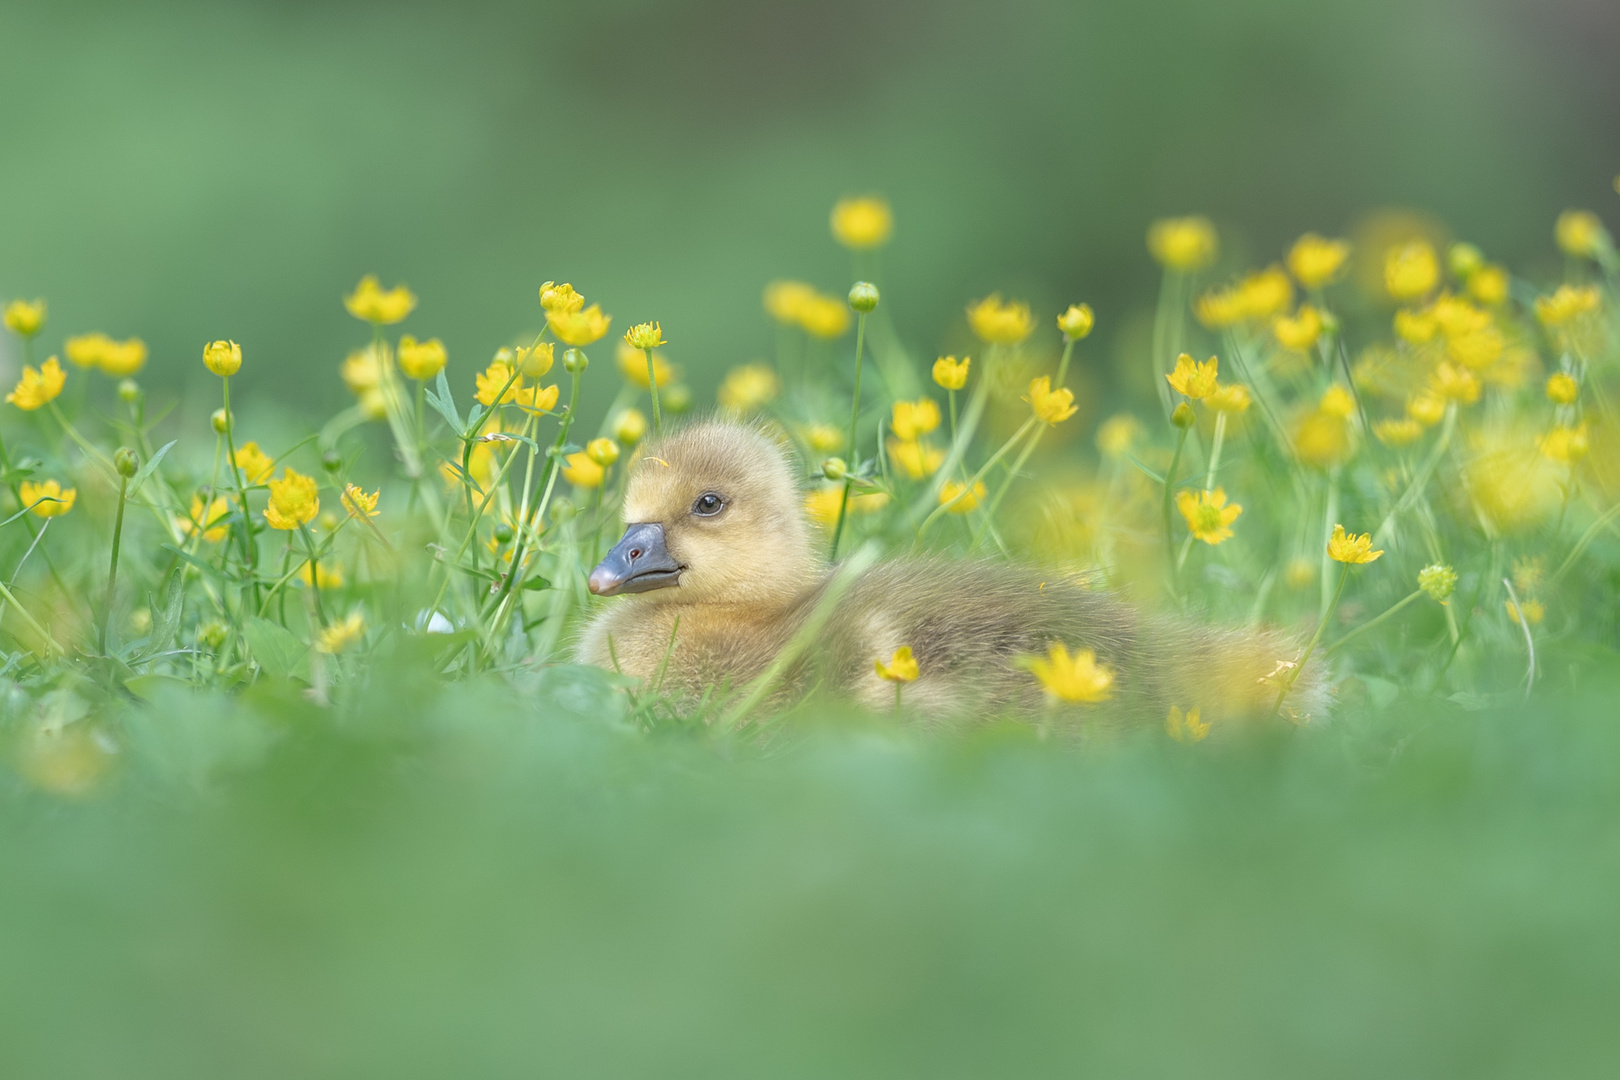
x=503, y=533
x=1076, y=323
x=223, y=358
x=1183, y=417
x=1438, y=581
x=834, y=468
x=602, y=451
x=630, y=428
x=677, y=399
x=574, y=361
x=220, y=421
x=1463, y=260
x=332, y=461
x=863, y=297
x=129, y=391
x=211, y=634
x=126, y=462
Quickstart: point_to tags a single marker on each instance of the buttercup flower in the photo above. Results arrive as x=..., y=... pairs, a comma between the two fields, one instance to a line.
x=537, y=399
x=1298, y=331
x=860, y=223
x=824, y=317
x=1000, y=322
x=785, y=300
x=421, y=360
x=602, y=451
x=647, y=335
x=371, y=303
x=579, y=328
x=1077, y=678
x=1229, y=398
x=1489, y=285
x=581, y=471
x=326, y=576
x=1402, y=432
x=1456, y=384
x=294, y=501
x=1476, y=349
x=1192, y=379
x=255, y=464
x=204, y=518
x=910, y=420
x=916, y=460
x=1118, y=434
x=1566, y=304
x=1411, y=271
x=1580, y=233
x=1322, y=439
x=1417, y=326
x=1438, y=580
x=747, y=387
x=1208, y=517
x=341, y=635
x=1314, y=260
x=39, y=387
x=1351, y=548
x=630, y=427
x=1051, y=406
x=223, y=358
x=901, y=668
x=536, y=361
x=121, y=359
x=1566, y=445
x=1426, y=408
x=560, y=299
x=358, y=503
x=1185, y=727
x=25, y=319
x=957, y=499
x=1562, y=389
x=633, y=366
x=85, y=350
x=1185, y=243
x=498, y=378
x=47, y=499
x=1337, y=401
x=822, y=504
x=951, y=373
x=1533, y=611
x=1076, y=322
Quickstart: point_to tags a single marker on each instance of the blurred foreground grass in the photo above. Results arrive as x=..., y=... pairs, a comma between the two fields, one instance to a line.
x=495, y=879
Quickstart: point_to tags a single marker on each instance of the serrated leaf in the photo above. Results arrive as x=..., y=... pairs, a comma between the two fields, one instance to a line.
x=442, y=400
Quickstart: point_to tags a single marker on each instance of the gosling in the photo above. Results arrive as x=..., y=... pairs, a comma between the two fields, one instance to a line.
x=719, y=569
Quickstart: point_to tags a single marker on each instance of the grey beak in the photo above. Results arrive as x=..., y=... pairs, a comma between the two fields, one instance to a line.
x=639, y=562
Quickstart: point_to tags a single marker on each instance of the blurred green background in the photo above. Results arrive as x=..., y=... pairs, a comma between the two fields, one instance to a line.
x=189, y=171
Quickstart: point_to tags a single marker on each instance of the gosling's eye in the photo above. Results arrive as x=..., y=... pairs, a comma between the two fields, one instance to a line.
x=708, y=504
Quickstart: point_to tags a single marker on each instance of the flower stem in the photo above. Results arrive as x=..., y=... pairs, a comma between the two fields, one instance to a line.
x=1398, y=605
x=1299, y=668
x=854, y=422
x=1215, y=450
x=112, y=569
x=1017, y=437
x=1169, y=495
x=652, y=385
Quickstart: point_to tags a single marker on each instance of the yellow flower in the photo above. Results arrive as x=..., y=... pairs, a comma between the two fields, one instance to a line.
x=1438, y=580
x=421, y=360
x=1220, y=308
x=1565, y=444
x=916, y=460
x=1562, y=389
x=560, y=299
x=1076, y=322
x=294, y=501
x=647, y=335
x=1051, y=406
x=1299, y=573
x=121, y=359
x=1426, y=408
x=537, y=399
x=255, y=464
x=86, y=349
x=1185, y=727
x=1298, y=331
x=326, y=575
x=602, y=451
x=785, y=300
x=1000, y=322
x=1416, y=326
x=498, y=378
x=822, y=503
x=747, y=387
x=1072, y=678
x=1528, y=572
x=633, y=366
x=1322, y=439
x=1208, y=516
x=223, y=358
x=371, y=303
x=581, y=471
x=25, y=319
x=1185, y=243
x=579, y=328
x=1489, y=285
x=630, y=427
x=1229, y=398
x=340, y=635
x=361, y=371
x=1402, y=432
x=1411, y=271
x=956, y=499
x=1351, y=548
x=901, y=668
x=1265, y=293
x=859, y=223
x=951, y=373
x=47, y=499
x=1118, y=434
x=1477, y=349
x=536, y=361
x=358, y=503
x=39, y=387
x=1533, y=610
x=204, y=518
x=824, y=317
x=1580, y=233
x=1566, y=304
x=1456, y=384
x=910, y=420
x=1338, y=401
x=1315, y=260
x=1192, y=379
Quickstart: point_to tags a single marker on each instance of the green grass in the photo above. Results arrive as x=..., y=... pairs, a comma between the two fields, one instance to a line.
x=507, y=880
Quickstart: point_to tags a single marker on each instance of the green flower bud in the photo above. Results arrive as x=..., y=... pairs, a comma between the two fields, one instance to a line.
x=574, y=362
x=863, y=297
x=834, y=468
x=677, y=399
x=126, y=462
x=220, y=421
x=1183, y=417
x=129, y=391
x=332, y=461
x=503, y=533
x=1438, y=581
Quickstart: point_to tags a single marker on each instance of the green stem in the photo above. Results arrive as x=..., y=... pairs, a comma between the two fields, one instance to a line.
x=1398, y=605
x=854, y=422
x=314, y=571
x=1299, y=668
x=652, y=385
x=250, y=547
x=974, y=482
x=1215, y=450
x=1169, y=495
x=112, y=569
x=1007, y=483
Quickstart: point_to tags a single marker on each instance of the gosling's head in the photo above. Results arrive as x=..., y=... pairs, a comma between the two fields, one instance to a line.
x=713, y=514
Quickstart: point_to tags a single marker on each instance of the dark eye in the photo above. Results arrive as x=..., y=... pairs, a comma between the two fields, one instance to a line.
x=708, y=504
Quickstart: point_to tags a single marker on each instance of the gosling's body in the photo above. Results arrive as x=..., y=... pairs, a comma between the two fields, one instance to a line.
x=751, y=577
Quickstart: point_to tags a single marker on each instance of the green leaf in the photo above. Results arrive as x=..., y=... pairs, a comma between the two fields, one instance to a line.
x=149, y=467
x=278, y=652
x=442, y=400
x=1151, y=475
x=535, y=584
x=167, y=625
